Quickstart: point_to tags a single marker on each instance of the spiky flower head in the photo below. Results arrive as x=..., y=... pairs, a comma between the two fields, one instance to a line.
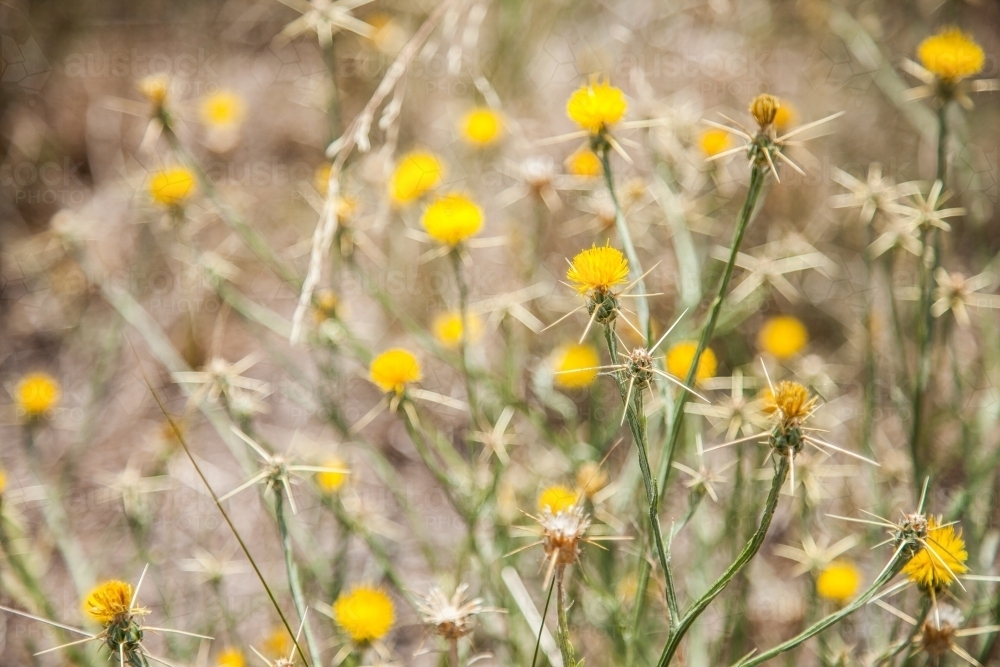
x=557, y=498
x=449, y=330
x=943, y=557
x=36, y=394
x=783, y=336
x=764, y=108
x=416, y=173
x=789, y=402
x=951, y=55
x=681, y=355
x=111, y=603
x=596, y=106
x=365, y=614
x=562, y=532
x=598, y=269
x=394, y=369
x=482, y=127
x=451, y=618
x=838, y=581
x=938, y=632
x=172, y=187
x=452, y=219
x=575, y=366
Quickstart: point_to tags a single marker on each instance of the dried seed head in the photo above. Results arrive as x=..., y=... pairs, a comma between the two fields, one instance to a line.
x=562, y=533
x=450, y=618
x=763, y=108
x=937, y=634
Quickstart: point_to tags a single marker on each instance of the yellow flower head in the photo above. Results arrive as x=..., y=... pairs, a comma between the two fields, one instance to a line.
x=783, y=336
x=329, y=482
x=447, y=328
x=928, y=570
x=3, y=481
x=394, y=369
x=595, y=106
x=223, y=109
x=681, y=354
x=790, y=400
x=325, y=303
x=278, y=644
x=365, y=614
x=110, y=602
x=452, y=219
x=785, y=117
x=557, y=499
x=231, y=657
x=172, y=187
x=584, y=164
x=764, y=108
x=713, y=141
x=598, y=268
x=482, y=127
x=575, y=366
x=838, y=581
x=590, y=479
x=416, y=173
x=154, y=88
x=951, y=55
x=36, y=394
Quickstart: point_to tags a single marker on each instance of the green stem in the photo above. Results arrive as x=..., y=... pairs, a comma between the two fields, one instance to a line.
x=565, y=647
x=899, y=559
x=463, y=311
x=293, y=575
x=745, y=556
x=757, y=177
x=541, y=623
x=635, y=268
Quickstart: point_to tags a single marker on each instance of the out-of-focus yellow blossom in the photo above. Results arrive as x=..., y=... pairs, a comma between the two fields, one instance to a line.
x=172, y=187
x=365, y=614
x=392, y=370
x=596, y=106
x=783, y=336
x=416, y=173
x=37, y=393
x=329, y=481
x=447, y=328
x=557, y=499
x=452, y=219
x=482, y=127
x=838, y=581
x=951, y=55
x=575, y=366
x=584, y=163
x=681, y=354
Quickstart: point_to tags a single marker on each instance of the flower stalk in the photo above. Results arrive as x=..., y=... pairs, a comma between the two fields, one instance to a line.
x=565, y=647
x=294, y=584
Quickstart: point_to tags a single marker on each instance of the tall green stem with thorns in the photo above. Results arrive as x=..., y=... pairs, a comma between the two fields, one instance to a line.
x=781, y=468
x=565, y=647
x=294, y=585
x=463, y=343
x=930, y=241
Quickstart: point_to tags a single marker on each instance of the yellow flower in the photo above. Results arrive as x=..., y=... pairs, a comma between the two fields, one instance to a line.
x=452, y=218
x=364, y=613
x=585, y=164
x=416, y=173
x=171, y=187
x=590, y=479
x=37, y=393
x=329, y=482
x=482, y=126
x=575, y=366
x=714, y=141
x=326, y=303
x=557, y=499
x=447, y=328
x=223, y=109
x=3, y=482
x=785, y=116
x=783, y=336
x=951, y=54
x=154, y=88
x=838, y=581
x=790, y=399
x=681, y=354
x=278, y=644
x=764, y=108
x=928, y=570
x=596, y=106
x=394, y=369
x=598, y=269
x=109, y=602
x=231, y=657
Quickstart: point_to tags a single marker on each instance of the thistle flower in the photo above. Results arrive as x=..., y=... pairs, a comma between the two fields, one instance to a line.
x=596, y=106
x=714, y=141
x=924, y=212
x=36, y=394
x=681, y=354
x=734, y=413
x=416, y=173
x=330, y=480
x=584, y=163
x=941, y=560
x=956, y=293
x=875, y=194
x=450, y=618
x=598, y=270
x=575, y=366
x=366, y=614
x=452, y=219
x=940, y=630
x=482, y=127
x=783, y=336
x=111, y=602
x=222, y=110
x=219, y=378
x=448, y=328
x=703, y=479
x=764, y=146
x=172, y=187
x=557, y=498
x=231, y=657
x=393, y=369
x=838, y=582
x=946, y=60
